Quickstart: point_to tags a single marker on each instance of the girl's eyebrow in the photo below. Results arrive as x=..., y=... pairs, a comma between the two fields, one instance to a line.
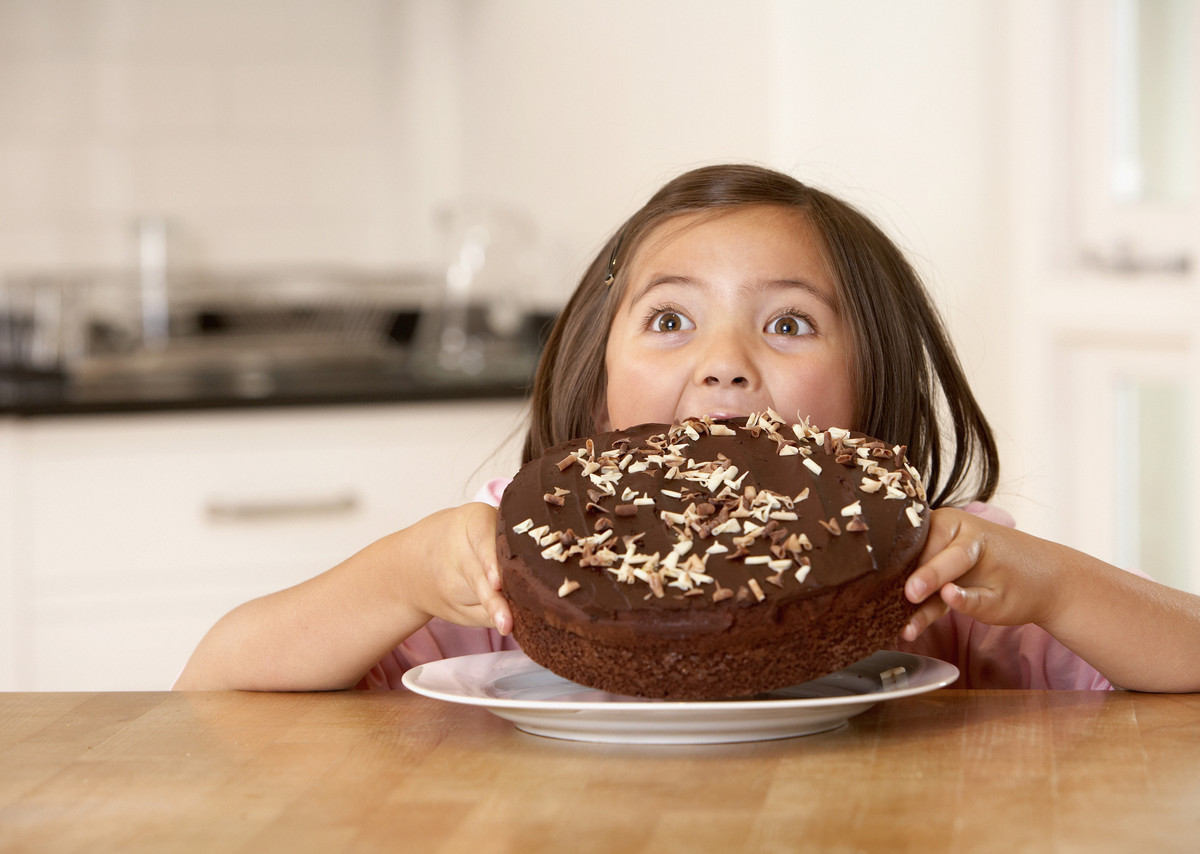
x=808, y=287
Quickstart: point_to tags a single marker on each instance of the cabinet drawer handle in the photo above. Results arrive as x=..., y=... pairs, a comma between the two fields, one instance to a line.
x=252, y=510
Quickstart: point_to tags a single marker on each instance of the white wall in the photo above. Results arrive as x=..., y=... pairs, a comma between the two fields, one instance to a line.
x=282, y=131
x=900, y=108
x=267, y=130
x=580, y=111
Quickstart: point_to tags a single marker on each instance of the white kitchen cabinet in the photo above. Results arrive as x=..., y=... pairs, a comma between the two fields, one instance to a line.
x=123, y=538
x=8, y=599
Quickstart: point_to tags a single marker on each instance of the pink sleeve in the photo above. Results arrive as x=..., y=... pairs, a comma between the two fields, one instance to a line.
x=491, y=491
x=434, y=641
x=1004, y=656
x=438, y=639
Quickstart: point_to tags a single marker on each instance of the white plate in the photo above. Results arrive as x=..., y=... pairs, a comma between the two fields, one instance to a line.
x=513, y=687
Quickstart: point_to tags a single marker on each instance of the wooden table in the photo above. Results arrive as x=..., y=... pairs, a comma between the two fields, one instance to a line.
x=956, y=771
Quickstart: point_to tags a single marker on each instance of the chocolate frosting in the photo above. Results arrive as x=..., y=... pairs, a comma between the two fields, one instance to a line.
x=694, y=523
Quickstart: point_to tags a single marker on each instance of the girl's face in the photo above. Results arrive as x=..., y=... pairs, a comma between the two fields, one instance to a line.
x=725, y=314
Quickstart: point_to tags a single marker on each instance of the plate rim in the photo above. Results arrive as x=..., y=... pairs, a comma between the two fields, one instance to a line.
x=943, y=673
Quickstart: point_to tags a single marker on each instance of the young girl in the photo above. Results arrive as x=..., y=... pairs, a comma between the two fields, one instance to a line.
x=735, y=289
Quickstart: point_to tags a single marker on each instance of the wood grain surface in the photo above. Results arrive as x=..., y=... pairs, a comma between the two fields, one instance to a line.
x=953, y=770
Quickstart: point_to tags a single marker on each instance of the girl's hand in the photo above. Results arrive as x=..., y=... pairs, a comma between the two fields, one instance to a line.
x=1139, y=634
x=460, y=575
x=986, y=571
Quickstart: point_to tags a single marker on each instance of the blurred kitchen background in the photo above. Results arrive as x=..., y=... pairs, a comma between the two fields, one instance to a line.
x=273, y=273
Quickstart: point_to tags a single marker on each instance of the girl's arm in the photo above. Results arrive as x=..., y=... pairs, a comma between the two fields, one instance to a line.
x=1141, y=635
x=325, y=633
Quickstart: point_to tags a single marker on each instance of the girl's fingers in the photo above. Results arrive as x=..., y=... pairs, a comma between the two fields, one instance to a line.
x=487, y=582
x=502, y=619
x=974, y=601
x=957, y=597
x=970, y=601
x=947, y=566
x=949, y=555
x=925, y=616
x=492, y=601
x=498, y=612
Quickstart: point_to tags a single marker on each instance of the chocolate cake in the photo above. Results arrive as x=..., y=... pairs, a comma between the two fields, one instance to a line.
x=710, y=559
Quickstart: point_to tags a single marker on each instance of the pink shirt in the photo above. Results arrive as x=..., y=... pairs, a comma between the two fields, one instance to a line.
x=986, y=656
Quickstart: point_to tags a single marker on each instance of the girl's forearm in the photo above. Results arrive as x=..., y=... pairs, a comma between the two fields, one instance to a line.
x=1141, y=635
x=322, y=634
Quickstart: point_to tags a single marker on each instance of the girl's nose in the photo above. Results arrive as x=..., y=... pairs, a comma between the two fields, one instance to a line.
x=717, y=381
x=727, y=363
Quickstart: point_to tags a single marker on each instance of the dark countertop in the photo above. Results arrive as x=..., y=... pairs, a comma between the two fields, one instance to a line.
x=220, y=370
x=33, y=396
x=355, y=344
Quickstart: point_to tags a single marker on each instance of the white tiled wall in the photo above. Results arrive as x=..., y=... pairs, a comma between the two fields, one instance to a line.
x=292, y=131
x=328, y=130
x=265, y=130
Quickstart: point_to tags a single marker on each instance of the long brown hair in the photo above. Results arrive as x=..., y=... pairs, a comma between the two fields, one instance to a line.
x=909, y=386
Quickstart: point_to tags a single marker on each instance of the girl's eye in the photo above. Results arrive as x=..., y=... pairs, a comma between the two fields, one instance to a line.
x=789, y=324
x=669, y=321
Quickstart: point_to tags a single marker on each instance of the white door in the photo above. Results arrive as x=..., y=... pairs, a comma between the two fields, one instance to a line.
x=1105, y=124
